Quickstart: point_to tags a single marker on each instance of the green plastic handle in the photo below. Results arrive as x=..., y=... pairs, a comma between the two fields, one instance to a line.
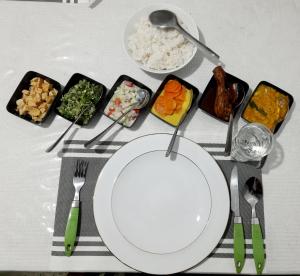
x=258, y=248
x=71, y=231
x=239, y=246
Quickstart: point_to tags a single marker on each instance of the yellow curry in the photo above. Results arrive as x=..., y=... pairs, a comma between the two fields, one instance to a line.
x=267, y=106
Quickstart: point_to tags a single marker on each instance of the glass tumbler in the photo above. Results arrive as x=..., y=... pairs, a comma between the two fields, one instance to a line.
x=252, y=143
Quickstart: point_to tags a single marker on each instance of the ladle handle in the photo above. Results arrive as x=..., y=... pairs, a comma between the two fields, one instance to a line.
x=172, y=142
x=110, y=126
x=171, y=145
x=258, y=246
x=50, y=148
x=199, y=44
x=229, y=136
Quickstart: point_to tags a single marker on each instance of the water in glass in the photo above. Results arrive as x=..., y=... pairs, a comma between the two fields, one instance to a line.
x=252, y=142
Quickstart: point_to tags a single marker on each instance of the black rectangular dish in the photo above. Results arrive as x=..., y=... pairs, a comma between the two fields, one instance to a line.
x=268, y=105
x=78, y=85
x=171, y=111
x=120, y=95
x=38, y=99
x=207, y=100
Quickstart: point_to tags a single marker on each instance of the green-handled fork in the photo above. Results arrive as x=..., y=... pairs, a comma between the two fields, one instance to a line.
x=71, y=229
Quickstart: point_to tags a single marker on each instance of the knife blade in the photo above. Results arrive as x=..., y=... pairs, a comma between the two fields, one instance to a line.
x=234, y=192
x=238, y=231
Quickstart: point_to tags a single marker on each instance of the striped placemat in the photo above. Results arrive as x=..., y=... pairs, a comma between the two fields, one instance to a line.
x=89, y=243
x=59, y=1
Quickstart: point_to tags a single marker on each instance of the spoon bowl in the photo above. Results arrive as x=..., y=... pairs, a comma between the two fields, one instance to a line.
x=143, y=97
x=163, y=19
x=167, y=19
x=253, y=191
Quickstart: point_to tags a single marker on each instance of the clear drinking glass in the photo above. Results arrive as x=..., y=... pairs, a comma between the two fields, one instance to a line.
x=252, y=143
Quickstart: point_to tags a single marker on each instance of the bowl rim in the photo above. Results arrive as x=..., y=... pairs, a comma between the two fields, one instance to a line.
x=113, y=89
x=182, y=14
x=211, y=82
x=159, y=90
x=27, y=77
x=279, y=90
x=74, y=79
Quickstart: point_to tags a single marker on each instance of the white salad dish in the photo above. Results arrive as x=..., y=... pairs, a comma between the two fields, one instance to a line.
x=156, y=51
x=161, y=215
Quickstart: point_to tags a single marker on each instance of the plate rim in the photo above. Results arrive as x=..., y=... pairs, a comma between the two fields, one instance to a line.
x=170, y=263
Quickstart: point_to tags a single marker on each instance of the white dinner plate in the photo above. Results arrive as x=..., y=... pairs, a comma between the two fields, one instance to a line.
x=161, y=215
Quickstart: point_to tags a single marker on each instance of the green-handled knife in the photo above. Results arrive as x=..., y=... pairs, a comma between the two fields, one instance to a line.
x=238, y=230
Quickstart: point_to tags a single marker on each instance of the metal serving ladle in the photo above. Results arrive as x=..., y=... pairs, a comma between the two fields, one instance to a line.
x=167, y=19
x=143, y=97
x=241, y=95
x=50, y=148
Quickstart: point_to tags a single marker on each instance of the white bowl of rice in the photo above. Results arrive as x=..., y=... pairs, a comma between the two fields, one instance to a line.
x=156, y=50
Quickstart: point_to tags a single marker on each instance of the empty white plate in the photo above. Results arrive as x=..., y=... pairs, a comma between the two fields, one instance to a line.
x=161, y=215
x=163, y=199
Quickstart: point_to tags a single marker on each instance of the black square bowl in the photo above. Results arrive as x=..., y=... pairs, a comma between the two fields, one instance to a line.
x=73, y=81
x=114, y=88
x=25, y=84
x=291, y=100
x=183, y=82
x=207, y=100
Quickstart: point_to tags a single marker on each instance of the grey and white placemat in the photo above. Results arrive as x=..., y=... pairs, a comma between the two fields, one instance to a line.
x=59, y=1
x=89, y=243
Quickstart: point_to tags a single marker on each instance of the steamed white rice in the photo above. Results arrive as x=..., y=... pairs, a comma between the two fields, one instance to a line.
x=158, y=49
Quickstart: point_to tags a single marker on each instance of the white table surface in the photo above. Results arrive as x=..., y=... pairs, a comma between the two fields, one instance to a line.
x=257, y=40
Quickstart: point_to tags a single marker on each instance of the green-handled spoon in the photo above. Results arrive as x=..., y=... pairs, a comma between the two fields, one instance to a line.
x=253, y=194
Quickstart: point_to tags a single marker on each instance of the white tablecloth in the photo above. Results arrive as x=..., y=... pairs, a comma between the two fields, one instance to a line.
x=257, y=40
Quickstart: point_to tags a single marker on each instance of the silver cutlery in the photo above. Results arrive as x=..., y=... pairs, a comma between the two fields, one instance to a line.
x=67, y=130
x=253, y=194
x=72, y=224
x=172, y=142
x=238, y=231
x=166, y=19
x=238, y=87
x=143, y=97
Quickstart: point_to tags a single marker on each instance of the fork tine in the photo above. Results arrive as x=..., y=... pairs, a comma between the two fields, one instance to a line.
x=86, y=167
x=77, y=168
x=81, y=168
